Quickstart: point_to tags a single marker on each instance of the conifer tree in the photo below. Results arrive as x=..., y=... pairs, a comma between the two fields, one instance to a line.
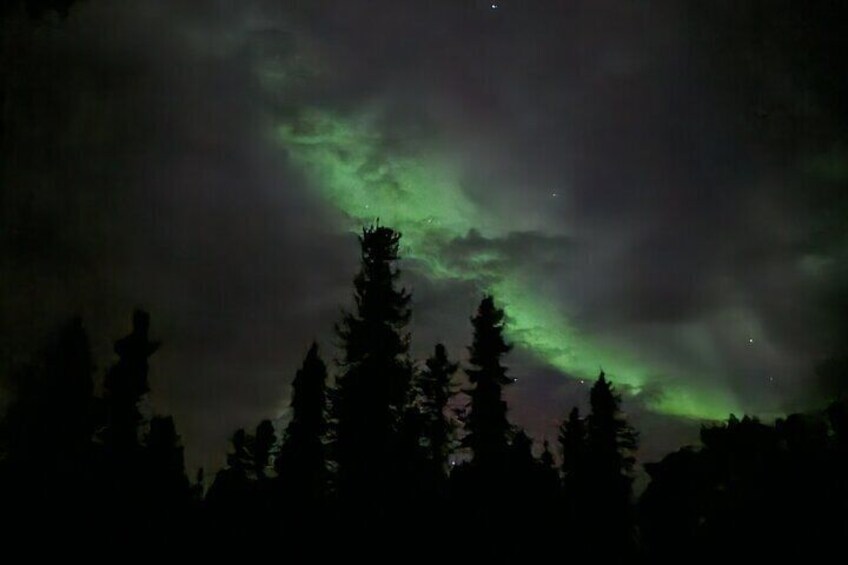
x=610, y=439
x=549, y=475
x=610, y=443
x=46, y=433
x=240, y=460
x=435, y=391
x=488, y=431
x=125, y=384
x=167, y=492
x=547, y=457
x=572, y=440
x=574, y=467
x=301, y=462
x=372, y=391
x=70, y=368
x=263, y=444
x=232, y=499
x=49, y=426
x=166, y=466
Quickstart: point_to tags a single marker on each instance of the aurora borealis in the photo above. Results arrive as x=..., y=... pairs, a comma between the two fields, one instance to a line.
x=655, y=189
x=424, y=200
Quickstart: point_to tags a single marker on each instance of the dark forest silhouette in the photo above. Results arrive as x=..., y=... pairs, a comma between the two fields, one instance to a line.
x=389, y=455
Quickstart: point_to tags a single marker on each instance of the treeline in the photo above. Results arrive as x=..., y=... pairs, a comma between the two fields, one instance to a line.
x=386, y=460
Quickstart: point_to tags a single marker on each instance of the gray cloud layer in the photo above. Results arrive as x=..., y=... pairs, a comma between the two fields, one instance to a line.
x=697, y=154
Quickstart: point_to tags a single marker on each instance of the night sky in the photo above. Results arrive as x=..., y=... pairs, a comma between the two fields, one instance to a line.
x=655, y=188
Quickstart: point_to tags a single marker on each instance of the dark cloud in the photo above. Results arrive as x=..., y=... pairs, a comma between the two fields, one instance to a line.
x=696, y=152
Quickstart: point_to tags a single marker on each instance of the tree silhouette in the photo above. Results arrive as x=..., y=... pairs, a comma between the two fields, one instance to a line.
x=372, y=391
x=76, y=468
x=572, y=440
x=486, y=485
x=488, y=431
x=232, y=501
x=51, y=421
x=263, y=443
x=549, y=487
x=240, y=461
x=610, y=443
x=165, y=456
x=574, y=468
x=123, y=495
x=301, y=463
x=435, y=390
x=46, y=445
x=772, y=491
x=124, y=386
x=547, y=458
x=167, y=493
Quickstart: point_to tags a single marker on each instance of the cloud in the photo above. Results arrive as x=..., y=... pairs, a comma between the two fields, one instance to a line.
x=658, y=185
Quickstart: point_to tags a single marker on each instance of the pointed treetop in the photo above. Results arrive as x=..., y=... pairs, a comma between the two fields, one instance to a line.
x=379, y=244
x=138, y=342
x=547, y=457
x=312, y=364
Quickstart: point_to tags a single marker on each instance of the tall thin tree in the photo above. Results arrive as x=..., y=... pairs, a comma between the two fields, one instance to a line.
x=611, y=443
x=301, y=463
x=125, y=384
x=372, y=391
x=488, y=430
x=435, y=388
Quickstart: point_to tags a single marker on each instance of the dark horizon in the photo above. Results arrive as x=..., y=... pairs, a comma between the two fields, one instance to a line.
x=374, y=457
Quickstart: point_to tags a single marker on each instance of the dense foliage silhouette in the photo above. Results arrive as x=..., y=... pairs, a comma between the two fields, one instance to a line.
x=389, y=459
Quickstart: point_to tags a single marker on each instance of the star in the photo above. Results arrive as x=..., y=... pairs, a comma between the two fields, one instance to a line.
x=494, y=6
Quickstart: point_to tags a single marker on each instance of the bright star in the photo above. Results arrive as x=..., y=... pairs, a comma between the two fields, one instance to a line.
x=494, y=6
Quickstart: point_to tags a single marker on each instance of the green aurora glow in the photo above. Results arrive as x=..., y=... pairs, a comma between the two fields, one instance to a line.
x=359, y=173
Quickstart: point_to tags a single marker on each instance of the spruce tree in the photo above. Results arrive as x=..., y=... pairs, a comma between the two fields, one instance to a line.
x=301, y=462
x=263, y=445
x=167, y=492
x=572, y=440
x=611, y=440
x=610, y=443
x=48, y=428
x=70, y=367
x=232, y=499
x=550, y=486
x=547, y=457
x=488, y=431
x=574, y=467
x=125, y=384
x=435, y=391
x=372, y=391
x=166, y=466
x=46, y=447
